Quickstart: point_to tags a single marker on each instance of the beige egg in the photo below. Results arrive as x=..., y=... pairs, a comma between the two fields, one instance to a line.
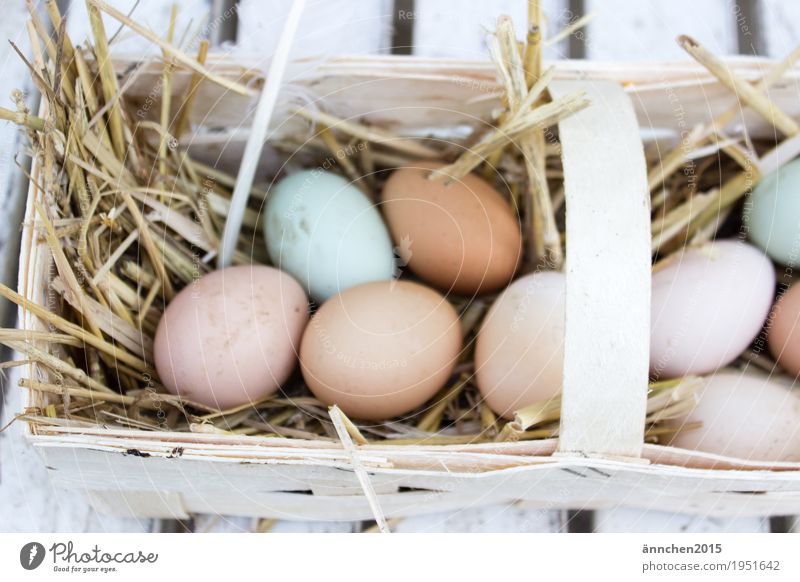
x=380, y=349
x=231, y=337
x=461, y=237
x=519, y=353
x=744, y=416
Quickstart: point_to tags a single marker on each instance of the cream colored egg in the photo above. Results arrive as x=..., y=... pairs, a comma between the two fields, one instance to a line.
x=744, y=416
x=708, y=304
x=231, y=337
x=519, y=354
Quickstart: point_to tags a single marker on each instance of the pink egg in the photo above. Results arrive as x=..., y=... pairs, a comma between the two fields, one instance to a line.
x=232, y=336
x=708, y=305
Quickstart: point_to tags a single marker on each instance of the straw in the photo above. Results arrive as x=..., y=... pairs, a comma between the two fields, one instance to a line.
x=743, y=90
x=337, y=417
x=170, y=50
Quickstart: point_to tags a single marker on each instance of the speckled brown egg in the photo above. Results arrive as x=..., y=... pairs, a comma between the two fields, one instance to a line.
x=231, y=337
x=784, y=331
x=381, y=349
x=461, y=237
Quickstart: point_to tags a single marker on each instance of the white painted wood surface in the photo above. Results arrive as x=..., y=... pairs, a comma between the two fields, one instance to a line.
x=781, y=20
x=457, y=28
x=624, y=30
x=326, y=27
x=494, y=519
x=645, y=30
x=509, y=518
x=623, y=520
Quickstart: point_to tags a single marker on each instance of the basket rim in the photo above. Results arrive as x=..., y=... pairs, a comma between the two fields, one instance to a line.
x=542, y=451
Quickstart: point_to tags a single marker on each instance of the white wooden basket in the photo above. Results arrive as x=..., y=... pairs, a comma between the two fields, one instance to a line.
x=599, y=461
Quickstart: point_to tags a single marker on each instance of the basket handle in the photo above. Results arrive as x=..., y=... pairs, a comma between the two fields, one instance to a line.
x=608, y=271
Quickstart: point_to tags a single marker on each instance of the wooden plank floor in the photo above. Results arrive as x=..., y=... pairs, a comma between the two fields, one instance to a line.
x=621, y=30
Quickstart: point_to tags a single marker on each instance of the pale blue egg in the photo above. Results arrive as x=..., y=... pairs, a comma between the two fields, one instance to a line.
x=326, y=233
x=772, y=214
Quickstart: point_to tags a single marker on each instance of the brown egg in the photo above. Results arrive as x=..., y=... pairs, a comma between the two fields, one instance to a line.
x=784, y=330
x=380, y=349
x=462, y=237
x=745, y=416
x=231, y=337
x=519, y=352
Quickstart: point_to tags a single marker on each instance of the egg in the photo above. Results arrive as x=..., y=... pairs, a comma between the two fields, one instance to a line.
x=783, y=336
x=772, y=214
x=708, y=304
x=462, y=237
x=380, y=349
x=326, y=233
x=519, y=351
x=231, y=337
x=743, y=416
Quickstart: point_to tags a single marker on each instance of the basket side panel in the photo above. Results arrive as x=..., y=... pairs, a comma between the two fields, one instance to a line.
x=129, y=484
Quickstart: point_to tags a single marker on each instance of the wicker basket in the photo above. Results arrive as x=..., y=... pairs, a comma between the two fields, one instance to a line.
x=600, y=459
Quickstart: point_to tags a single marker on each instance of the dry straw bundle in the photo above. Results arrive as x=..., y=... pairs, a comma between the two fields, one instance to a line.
x=130, y=218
